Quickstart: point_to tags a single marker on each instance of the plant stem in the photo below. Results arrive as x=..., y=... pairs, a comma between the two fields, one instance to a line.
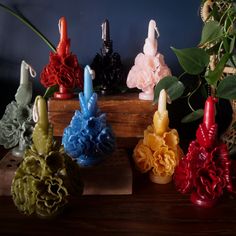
x=30, y=25
x=198, y=86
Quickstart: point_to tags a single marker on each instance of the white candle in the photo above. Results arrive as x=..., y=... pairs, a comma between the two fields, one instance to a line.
x=24, y=74
x=162, y=101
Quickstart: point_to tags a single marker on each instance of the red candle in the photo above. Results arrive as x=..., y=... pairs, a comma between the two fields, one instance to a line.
x=63, y=45
x=209, y=112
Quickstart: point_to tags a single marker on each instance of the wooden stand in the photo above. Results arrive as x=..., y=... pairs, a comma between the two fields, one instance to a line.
x=127, y=114
x=112, y=177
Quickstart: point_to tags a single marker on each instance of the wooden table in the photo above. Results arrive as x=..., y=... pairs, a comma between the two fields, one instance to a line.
x=151, y=210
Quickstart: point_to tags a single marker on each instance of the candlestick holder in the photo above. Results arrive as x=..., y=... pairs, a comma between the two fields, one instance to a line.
x=158, y=152
x=17, y=123
x=149, y=67
x=46, y=176
x=63, y=68
x=205, y=170
x=88, y=139
x=107, y=65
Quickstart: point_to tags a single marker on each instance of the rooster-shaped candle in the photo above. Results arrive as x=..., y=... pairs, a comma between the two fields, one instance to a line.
x=63, y=68
x=107, y=65
x=158, y=152
x=88, y=138
x=205, y=170
x=17, y=123
x=47, y=176
x=149, y=67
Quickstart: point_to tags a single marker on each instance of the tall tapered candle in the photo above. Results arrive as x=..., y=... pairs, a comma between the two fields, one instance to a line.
x=209, y=112
x=40, y=113
x=150, y=46
x=162, y=101
x=88, y=84
x=105, y=31
x=24, y=74
x=61, y=48
x=151, y=30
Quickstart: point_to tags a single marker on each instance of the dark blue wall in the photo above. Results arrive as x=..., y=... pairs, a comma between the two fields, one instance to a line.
x=178, y=22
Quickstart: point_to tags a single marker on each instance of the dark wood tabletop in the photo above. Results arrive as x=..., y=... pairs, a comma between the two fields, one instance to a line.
x=151, y=210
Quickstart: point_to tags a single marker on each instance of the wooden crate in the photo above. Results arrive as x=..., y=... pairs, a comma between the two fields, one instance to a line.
x=126, y=113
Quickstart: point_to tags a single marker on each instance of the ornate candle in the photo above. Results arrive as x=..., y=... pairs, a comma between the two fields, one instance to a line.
x=16, y=124
x=158, y=152
x=149, y=67
x=88, y=138
x=107, y=65
x=63, y=68
x=205, y=171
x=46, y=176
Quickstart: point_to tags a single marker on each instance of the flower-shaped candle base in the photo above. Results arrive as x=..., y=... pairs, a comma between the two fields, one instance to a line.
x=205, y=170
x=89, y=160
x=88, y=139
x=64, y=93
x=147, y=95
x=202, y=202
x=158, y=152
x=160, y=179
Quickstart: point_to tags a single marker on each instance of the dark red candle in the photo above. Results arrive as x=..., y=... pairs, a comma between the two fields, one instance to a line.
x=209, y=112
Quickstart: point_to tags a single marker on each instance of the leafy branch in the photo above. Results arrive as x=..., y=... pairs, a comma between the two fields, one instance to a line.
x=215, y=53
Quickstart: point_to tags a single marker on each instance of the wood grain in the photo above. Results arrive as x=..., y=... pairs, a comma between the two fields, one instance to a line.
x=127, y=114
x=151, y=210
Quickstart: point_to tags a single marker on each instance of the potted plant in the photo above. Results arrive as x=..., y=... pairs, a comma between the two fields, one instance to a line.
x=212, y=62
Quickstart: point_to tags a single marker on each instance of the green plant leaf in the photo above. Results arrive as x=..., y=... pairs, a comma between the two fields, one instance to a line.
x=172, y=85
x=227, y=88
x=25, y=21
x=195, y=115
x=213, y=76
x=211, y=32
x=192, y=60
x=232, y=44
x=50, y=91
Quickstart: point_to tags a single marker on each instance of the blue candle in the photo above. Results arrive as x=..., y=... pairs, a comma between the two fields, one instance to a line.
x=88, y=84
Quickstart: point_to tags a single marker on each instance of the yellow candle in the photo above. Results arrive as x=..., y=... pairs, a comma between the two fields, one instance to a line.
x=40, y=113
x=160, y=118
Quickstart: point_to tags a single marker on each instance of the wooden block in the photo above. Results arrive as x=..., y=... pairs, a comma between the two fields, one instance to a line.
x=8, y=166
x=126, y=113
x=112, y=177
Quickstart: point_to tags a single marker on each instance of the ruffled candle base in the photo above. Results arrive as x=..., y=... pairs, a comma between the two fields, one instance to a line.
x=146, y=95
x=88, y=160
x=157, y=179
x=64, y=93
x=206, y=203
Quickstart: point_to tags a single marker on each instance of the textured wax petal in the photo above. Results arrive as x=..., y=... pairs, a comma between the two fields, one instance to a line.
x=42, y=183
x=143, y=157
